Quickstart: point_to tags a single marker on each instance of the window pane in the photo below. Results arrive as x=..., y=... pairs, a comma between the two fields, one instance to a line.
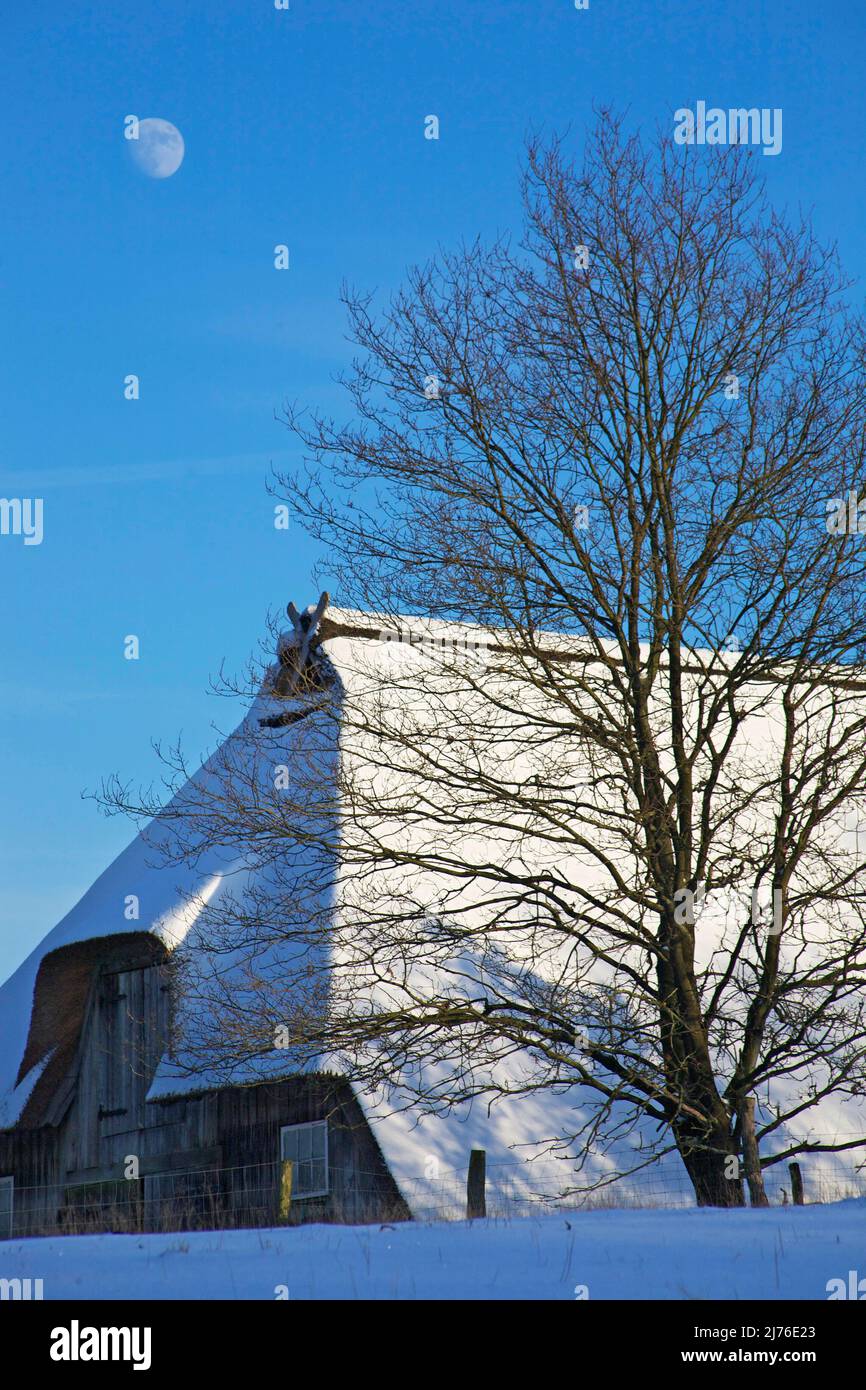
x=305, y=1146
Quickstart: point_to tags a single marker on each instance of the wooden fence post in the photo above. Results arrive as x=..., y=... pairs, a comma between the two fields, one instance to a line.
x=796, y=1184
x=476, y=1200
x=286, y=1172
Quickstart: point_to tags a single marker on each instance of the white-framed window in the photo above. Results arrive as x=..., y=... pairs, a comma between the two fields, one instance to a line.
x=7, y=1193
x=306, y=1146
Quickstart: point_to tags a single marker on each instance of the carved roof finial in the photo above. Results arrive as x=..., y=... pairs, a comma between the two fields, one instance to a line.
x=305, y=625
x=295, y=671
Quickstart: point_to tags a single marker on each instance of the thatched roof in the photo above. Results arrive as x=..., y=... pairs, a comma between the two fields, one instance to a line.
x=43, y=1005
x=65, y=983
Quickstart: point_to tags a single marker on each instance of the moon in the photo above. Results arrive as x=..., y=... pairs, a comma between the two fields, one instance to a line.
x=159, y=149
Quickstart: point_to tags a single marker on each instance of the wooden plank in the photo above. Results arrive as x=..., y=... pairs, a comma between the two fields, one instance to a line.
x=192, y=1160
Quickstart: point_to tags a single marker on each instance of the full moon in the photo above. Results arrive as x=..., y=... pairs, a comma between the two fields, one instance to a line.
x=159, y=149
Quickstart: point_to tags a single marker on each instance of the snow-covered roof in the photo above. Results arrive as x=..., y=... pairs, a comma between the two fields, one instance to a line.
x=144, y=891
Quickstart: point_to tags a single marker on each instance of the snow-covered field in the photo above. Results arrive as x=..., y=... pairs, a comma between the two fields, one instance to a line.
x=780, y=1253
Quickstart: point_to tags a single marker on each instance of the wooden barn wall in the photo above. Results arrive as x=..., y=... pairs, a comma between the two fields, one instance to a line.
x=361, y=1187
x=30, y=1157
x=124, y=1035
x=235, y=1130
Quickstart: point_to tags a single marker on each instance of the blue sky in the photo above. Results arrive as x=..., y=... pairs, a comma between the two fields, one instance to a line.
x=303, y=127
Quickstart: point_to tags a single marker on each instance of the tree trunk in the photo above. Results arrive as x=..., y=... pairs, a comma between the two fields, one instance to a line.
x=708, y=1150
x=707, y=1162
x=751, y=1159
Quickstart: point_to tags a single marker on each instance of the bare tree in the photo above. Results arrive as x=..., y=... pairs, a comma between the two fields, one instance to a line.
x=619, y=852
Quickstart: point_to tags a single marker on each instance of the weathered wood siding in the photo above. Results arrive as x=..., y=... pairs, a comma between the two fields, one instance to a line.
x=68, y=1172
x=124, y=1035
x=30, y=1157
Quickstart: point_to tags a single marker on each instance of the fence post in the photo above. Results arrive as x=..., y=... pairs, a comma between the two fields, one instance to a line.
x=796, y=1184
x=476, y=1202
x=286, y=1171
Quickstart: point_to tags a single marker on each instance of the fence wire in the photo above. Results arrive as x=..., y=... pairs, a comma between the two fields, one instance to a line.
x=248, y=1196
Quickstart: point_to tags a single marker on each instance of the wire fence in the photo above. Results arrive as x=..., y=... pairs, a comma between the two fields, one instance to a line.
x=254, y=1195
x=552, y=1185
x=172, y=1201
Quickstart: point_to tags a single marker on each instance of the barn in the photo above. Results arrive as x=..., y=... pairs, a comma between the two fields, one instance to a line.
x=102, y=1128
